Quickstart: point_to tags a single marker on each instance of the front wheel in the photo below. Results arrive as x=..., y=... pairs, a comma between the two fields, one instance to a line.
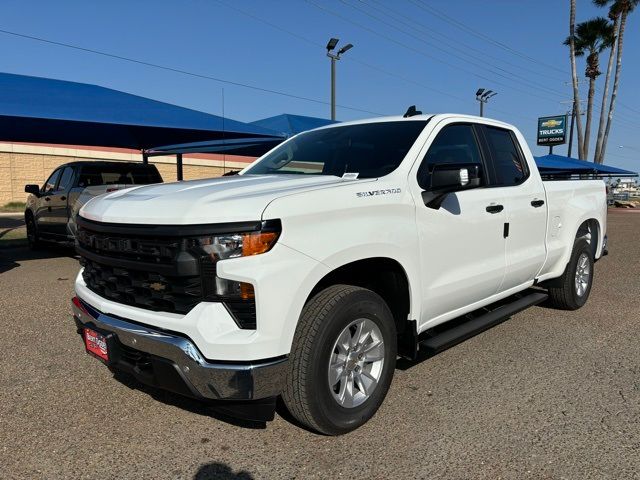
x=342, y=359
x=572, y=289
x=32, y=232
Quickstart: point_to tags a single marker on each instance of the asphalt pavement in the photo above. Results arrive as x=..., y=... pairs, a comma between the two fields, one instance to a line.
x=546, y=395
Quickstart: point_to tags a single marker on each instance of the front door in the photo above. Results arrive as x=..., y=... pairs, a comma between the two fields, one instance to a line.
x=462, y=247
x=43, y=214
x=59, y=203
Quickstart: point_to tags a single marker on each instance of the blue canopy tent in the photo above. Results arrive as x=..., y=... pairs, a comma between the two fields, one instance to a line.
x=289, y=125
x=43, y=110
x=558, y=165
x=282, y=126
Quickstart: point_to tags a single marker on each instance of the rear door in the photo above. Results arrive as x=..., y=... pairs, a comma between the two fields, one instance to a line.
x=519, y=183
x=462, y=252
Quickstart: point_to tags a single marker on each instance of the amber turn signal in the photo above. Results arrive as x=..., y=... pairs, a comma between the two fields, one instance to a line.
x=258, y=242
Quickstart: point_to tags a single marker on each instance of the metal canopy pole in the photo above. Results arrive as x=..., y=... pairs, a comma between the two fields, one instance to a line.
x=179, y=166
x=145, y=157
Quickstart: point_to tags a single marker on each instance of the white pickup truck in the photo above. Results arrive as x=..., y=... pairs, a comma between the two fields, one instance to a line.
x=310, y=272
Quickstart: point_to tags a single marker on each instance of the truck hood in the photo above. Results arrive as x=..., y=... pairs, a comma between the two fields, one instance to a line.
x=216, y=200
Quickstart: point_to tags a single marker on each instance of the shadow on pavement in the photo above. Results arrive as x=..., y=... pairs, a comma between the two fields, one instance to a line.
x=11, y=257
x=191, y=405
x=220, y=471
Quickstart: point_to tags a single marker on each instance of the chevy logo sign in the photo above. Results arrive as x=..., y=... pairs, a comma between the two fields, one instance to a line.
x=552, y=130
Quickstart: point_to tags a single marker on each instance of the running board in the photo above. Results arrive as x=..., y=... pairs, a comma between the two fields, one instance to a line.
x=439, y=338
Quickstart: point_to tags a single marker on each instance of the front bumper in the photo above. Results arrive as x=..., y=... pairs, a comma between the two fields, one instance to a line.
x=172, y=362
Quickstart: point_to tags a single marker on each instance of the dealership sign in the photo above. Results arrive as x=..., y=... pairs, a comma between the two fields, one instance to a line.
x=552, y=130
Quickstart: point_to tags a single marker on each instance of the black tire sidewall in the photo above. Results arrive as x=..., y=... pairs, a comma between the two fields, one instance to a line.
x=581, y=246
x=31, y=226
x=330, y=416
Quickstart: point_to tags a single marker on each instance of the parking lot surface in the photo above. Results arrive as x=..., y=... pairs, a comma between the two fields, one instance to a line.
x=546, y=394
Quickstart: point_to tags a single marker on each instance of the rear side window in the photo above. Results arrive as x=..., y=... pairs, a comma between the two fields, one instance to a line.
x=125, y=174
x=510, y=168
x=454, y=144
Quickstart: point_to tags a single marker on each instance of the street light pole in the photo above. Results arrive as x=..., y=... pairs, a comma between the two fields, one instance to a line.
x=483, y=97
x=331, y=45
x=333, y=87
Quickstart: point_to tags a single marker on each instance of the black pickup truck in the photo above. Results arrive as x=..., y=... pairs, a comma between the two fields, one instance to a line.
x=50, y=208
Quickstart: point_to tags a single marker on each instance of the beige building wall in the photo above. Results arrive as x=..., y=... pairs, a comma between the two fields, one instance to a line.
x=21, y=164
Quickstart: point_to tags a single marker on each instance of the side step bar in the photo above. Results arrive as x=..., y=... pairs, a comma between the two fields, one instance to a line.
x=437, y=339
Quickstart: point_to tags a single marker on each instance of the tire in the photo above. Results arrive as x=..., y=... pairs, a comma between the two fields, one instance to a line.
x=32, y=232
x=567, y=292
x=330, y=319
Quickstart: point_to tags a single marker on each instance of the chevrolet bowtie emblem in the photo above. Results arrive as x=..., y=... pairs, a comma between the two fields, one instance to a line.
x=550, y=123
x=158, y=287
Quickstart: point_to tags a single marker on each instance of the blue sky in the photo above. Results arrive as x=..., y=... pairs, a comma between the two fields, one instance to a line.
x=432, y=53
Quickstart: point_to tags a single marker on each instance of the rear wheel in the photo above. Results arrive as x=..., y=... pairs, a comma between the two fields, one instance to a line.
x=572, y=289
x=342, y=359
x=32, y=232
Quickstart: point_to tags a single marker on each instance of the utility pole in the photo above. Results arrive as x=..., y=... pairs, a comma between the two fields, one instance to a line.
x=335, y=56
x=573, y=119
x=483, y=97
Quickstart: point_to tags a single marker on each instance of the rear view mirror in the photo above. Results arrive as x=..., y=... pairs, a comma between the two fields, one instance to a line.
x=450, y=177
x=32, y=189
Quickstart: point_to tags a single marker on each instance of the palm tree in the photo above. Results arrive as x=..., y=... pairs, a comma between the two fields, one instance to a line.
x=591, y=37
x=605, y=92
x=621, y=9
x=574, y=75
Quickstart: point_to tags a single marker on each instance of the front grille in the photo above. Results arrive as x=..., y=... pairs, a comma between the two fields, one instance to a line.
x=153, y=250
x=144, y=289
x=156, y=272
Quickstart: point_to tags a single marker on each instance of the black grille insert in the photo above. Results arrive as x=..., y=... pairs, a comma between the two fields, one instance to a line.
x=154, y=272
x=144, y=289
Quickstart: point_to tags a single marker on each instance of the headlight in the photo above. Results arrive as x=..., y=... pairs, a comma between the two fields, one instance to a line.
x=222, y=247
x=238, y=297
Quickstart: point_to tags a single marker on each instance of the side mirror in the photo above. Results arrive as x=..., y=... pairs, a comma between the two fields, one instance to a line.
x=32, y=189
x=450, y=177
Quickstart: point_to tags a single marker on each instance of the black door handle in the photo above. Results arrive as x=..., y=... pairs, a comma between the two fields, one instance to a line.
x=46, y=199
x=537, y=203
x=63, y=198
x=494, y=208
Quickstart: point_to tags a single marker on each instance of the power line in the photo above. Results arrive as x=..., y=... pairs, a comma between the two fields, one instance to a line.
x=351, y=58
x=522, y=80
x=468, y=29
x=354, y=59
x=428, y=30
x=421, y=52
x=180, y=71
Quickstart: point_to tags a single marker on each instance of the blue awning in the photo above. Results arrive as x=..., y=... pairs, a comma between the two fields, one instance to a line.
x=285, y=125
x=43, y=110
x=558, y=164
x=289, y=125
x=250, y=147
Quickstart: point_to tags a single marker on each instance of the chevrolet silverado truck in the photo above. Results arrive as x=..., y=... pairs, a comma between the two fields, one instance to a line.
x=51, y=210
x=305, y=276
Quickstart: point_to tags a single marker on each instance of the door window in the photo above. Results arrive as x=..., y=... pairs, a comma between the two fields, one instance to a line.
x=50, y=184
x=510, y=167
x=65, y=180
x=454, y=144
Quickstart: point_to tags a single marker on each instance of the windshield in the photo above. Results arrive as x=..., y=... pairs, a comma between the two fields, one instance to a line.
x=127, y=174
x=371, y=150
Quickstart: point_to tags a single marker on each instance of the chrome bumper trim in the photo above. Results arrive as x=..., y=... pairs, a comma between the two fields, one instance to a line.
x=228, y=381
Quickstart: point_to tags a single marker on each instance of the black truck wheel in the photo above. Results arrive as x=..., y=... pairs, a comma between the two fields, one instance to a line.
x=32, y=232
x=571, y=290
x=342, y=359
